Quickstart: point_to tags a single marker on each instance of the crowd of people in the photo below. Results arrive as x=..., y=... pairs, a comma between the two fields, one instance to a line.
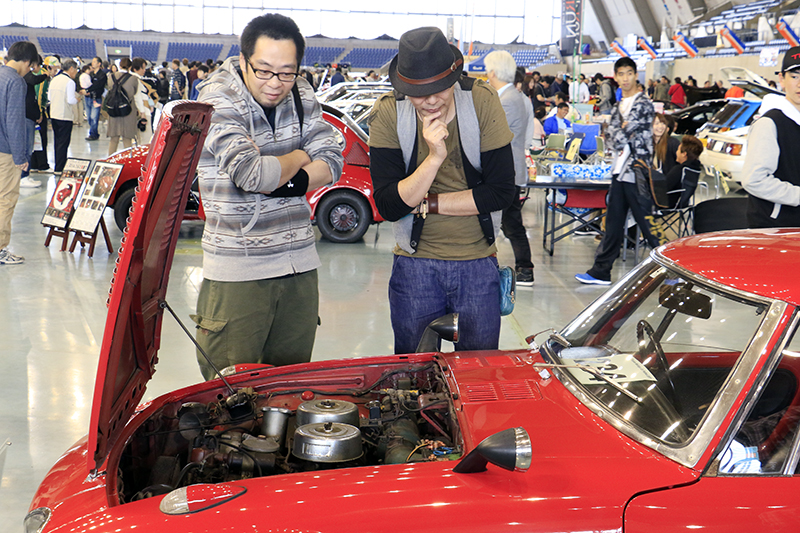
x=60, y=93
x=447, y=160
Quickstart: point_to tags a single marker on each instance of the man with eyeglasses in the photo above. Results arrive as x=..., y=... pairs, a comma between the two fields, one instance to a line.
x=267, y=146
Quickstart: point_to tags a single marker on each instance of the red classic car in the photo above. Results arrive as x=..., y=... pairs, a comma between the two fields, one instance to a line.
x=343, y=211
x=671, y=403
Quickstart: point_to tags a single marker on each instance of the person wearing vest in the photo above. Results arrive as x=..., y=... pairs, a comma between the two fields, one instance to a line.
x=267, y=146
x=443, y=171
x=771, y=173
x=62, y=98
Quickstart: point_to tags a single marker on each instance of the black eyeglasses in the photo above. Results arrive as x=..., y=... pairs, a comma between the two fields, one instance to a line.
x=267, y=75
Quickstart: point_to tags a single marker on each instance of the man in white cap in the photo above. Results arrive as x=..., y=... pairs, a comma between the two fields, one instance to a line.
x=771, y=174
x=443, y=171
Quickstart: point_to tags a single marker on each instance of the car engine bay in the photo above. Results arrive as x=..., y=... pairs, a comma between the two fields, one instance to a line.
x=342, y=418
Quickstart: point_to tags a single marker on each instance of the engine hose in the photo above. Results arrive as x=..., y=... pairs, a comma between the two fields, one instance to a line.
x=403, y=436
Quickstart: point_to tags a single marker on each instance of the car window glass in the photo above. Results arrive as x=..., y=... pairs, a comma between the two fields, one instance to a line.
x=671, y=343
x=763, y=445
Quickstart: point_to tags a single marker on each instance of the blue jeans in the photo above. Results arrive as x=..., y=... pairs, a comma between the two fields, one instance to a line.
x=30, y=139
x=421, y=290
x=92, y=115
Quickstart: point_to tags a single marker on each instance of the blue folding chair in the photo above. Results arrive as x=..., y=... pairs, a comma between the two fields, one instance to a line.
x=590, y=133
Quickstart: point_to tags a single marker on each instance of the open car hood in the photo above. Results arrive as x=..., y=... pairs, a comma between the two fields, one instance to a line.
x=139, y=285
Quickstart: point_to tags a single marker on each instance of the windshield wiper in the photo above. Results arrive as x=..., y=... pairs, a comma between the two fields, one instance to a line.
x=596, y=373
x=554, y=336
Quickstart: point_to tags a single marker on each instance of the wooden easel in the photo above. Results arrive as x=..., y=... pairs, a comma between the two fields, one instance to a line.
x=89, y=238
x=57, y=232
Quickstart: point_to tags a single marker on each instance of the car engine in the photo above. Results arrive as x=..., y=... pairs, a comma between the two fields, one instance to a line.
x=395, y=414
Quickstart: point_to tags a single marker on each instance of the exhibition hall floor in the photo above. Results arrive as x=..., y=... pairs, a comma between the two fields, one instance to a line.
x=53, y=310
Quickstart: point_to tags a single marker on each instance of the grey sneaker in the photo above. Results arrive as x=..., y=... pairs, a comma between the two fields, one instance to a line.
x=7, y=258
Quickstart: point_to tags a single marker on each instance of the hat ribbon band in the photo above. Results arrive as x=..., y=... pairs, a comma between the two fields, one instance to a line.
x=432, y=79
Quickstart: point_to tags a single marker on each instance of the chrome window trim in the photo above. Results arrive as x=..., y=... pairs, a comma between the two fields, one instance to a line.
x=753, y=396
x=689, y=453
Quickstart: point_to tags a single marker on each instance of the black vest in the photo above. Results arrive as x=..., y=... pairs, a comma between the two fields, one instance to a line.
x=758, y=210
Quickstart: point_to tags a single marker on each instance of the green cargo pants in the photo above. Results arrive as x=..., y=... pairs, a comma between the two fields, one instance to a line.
x=271, y=321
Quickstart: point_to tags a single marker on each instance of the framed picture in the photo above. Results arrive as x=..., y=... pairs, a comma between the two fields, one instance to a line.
x=94, y=197
x=64, y=200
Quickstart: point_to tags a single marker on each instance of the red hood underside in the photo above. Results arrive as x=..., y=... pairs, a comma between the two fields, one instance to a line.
x=133, y=328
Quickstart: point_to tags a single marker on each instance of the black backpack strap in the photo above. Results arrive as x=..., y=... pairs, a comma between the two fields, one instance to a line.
x=466, y=83
x=298, y=106
x=121, y=80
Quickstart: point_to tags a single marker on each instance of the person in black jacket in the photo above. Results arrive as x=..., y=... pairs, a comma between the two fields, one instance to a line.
x=33, y=116
x=94, y=97
x=682, y=179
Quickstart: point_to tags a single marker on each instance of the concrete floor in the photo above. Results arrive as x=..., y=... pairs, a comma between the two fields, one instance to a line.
x=52, y=315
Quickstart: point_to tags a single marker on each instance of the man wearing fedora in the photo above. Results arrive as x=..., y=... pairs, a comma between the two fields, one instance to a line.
x=771, y=174
x=443, y=171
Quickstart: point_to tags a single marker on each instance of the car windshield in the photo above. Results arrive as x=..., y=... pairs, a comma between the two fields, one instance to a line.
x=663, y=346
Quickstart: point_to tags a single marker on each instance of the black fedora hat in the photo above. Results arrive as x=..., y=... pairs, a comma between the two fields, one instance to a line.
x=425, y=63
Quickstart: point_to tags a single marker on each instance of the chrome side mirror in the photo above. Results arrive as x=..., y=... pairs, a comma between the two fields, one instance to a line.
x=445, y=327
x=509, y=449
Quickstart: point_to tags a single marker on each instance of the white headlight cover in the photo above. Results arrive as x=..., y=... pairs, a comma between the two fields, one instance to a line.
x=196, y=498
x=36, y=520
x=175, y=502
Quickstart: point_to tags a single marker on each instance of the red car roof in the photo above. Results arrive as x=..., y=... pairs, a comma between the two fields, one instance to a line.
x=760, y=261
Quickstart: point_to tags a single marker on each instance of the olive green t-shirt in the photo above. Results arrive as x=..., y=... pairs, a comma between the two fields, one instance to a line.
x=454, y=238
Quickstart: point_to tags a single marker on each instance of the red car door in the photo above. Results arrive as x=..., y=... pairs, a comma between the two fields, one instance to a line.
x=719, y=505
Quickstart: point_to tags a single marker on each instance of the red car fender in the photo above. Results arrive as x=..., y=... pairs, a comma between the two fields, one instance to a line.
x=360, y=184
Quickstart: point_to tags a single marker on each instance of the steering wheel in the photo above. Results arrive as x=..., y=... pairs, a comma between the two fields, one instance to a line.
x=644, y=328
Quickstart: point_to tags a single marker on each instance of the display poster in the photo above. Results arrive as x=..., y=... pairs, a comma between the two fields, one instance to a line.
x=769, y=56
x=571, y=26
x=96, y=192
x=62, y=204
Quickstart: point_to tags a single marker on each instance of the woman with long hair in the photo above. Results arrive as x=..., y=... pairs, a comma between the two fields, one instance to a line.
x=666, y=146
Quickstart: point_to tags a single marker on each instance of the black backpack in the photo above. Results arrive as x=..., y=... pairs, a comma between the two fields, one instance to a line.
x=117, y=103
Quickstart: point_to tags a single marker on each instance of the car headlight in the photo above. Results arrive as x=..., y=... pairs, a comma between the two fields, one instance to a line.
x=196, y=498
x=36, y=520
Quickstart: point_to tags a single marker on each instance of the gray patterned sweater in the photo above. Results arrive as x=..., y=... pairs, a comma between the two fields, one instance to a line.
x=638, y=130
x=248, y=235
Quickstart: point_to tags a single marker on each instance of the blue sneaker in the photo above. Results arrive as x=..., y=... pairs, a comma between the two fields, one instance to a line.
x=589, y=280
